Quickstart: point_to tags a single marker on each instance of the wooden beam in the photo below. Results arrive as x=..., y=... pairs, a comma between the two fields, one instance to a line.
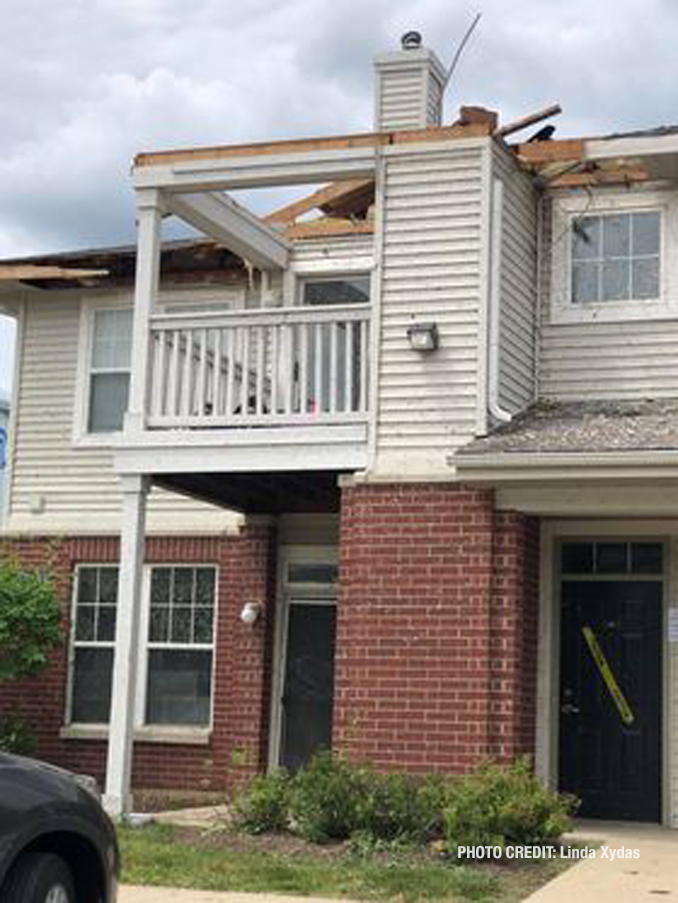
x=327, y=227
x=518, y=124
x=320, y=198
x=540, y=152
x=311, y=145
x=239, y=230
x=24, y=271
x=622, y=176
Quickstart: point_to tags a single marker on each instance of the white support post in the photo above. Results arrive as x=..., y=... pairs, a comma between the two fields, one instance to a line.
x=149, y=233
x=121, y=733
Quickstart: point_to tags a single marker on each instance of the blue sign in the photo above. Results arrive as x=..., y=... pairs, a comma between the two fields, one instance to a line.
x=3, y=447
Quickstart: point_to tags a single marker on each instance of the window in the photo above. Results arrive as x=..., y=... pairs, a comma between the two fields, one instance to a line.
x=109, y=370
x=180, y=646
x=615, y=257
x=94, y=617
x=611, y=557
x=176, y=653
x=333, y=351
x=612, y=256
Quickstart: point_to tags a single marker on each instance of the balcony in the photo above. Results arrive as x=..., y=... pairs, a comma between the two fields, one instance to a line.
x=277, y=390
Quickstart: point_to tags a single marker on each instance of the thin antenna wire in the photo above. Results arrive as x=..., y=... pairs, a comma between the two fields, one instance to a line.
x=460, y=48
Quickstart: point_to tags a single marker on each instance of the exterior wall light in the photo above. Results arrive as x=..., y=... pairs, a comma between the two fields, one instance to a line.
x=423, y=336
x=251, y=612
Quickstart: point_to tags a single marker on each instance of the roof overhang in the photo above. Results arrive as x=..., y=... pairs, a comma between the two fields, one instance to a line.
x=512, y=468
x=657, y=154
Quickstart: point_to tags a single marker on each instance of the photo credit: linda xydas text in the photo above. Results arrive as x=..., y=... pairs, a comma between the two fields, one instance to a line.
x=546, y=851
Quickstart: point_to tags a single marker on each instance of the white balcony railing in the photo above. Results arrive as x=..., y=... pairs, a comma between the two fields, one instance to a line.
x=302, y=365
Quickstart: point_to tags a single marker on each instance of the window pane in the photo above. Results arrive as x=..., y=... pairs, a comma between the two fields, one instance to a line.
x=92, y=676
x=615, y=280
x=87, y=584
x=586, y=237
x=183, y=586
x=348, y=290
x=108, y=586
x=112, y=344
x=611, y=557
x=204, y=586
x=84, y=622
x=645, y=273
x=179, y=687
x=577, y=558
x=312, y=573
x=158, y=628
x=160, y=586
x=203, y=627
x=181, y=625
x=108, y=401
x=645, y=234
x=585, y=282
x=646, y=558
x=617, y=235
x=106, y=624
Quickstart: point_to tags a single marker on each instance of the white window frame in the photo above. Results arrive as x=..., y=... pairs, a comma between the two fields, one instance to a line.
x=568, y=208
x=82, y=437
x=158, y=733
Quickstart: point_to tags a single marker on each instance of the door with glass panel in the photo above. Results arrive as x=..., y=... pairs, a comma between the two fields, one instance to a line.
x=306, y=665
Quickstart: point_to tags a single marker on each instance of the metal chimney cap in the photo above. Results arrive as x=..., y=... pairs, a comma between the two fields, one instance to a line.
x=411, y=40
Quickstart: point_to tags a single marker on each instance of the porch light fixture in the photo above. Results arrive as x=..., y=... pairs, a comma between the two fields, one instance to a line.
x=423, y=336
x=251, y=612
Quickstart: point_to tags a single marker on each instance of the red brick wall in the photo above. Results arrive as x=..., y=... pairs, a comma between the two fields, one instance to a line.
x=436, y=644
x=246, y=568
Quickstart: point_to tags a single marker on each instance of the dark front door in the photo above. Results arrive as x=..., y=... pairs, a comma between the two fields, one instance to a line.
x=610, y=697
x=309, y=683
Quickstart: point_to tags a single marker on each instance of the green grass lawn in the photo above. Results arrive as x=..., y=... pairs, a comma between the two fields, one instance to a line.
x=166, y=856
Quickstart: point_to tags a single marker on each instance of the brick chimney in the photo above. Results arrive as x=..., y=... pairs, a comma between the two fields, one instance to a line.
x=409, y=87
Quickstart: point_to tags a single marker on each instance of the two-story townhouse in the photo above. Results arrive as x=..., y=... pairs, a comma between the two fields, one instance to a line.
x=443, y=412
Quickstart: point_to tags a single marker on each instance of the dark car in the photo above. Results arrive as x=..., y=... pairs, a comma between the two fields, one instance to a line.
x=57, y=845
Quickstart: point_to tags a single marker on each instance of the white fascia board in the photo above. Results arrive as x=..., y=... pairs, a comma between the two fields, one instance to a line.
x=267, y=170
x=613, y=148
x=243, y=233
x=546, y=466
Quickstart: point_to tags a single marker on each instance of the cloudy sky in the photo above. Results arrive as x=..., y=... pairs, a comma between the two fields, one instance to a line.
x=87, y=83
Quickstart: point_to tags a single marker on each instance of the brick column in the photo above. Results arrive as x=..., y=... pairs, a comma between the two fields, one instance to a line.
x=436, y=630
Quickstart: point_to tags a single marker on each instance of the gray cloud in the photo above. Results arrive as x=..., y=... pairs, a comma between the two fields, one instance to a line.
x=87, y=83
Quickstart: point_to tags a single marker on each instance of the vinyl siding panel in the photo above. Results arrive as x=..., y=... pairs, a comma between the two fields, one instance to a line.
x=629, y=360
x=400, y=99
x=430, y=272
x=517, y=285
x=76, y=487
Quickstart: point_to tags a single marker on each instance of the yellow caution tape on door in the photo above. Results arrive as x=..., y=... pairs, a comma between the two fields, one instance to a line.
x=623, y=707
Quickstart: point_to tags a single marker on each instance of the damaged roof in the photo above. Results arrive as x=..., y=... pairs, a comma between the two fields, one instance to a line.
x=584, y=426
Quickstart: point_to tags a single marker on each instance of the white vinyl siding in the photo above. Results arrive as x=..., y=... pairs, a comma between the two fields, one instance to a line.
x=431, y=271
x=517, y=328
x=401, y=98
x=631, y=360
x=57, y=487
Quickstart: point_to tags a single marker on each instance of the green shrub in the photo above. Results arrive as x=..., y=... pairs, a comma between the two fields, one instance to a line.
x=327, y=798
x=500, y=805
x=16, y=736
x=29, y=621
x=263, y=805
x=401, y=807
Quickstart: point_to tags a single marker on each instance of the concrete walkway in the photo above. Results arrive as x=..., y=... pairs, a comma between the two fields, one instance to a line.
x=130, y=894
x=653, y=876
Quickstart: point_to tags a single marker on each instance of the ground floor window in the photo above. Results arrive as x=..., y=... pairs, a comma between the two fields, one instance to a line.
x=177, y=651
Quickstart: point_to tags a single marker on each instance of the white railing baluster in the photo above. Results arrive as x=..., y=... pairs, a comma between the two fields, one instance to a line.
x=302, y=365
x=216, y=374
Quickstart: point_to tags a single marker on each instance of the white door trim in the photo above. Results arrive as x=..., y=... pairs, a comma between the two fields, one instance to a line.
x=548, y=677
x=287, y=594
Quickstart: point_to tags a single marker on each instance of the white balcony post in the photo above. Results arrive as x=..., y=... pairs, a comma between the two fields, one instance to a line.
x=121, y=733
x=149, y=234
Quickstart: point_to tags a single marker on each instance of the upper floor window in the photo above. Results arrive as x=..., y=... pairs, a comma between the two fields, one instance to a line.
x=336, y=290
x=109, y=370
x=615, y=257
x=611, y=257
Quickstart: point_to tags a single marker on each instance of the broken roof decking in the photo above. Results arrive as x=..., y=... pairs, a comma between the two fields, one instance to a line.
x=583, y=427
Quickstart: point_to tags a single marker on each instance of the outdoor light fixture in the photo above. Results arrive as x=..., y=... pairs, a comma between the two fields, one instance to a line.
x=423, y=336
x=251, y=612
